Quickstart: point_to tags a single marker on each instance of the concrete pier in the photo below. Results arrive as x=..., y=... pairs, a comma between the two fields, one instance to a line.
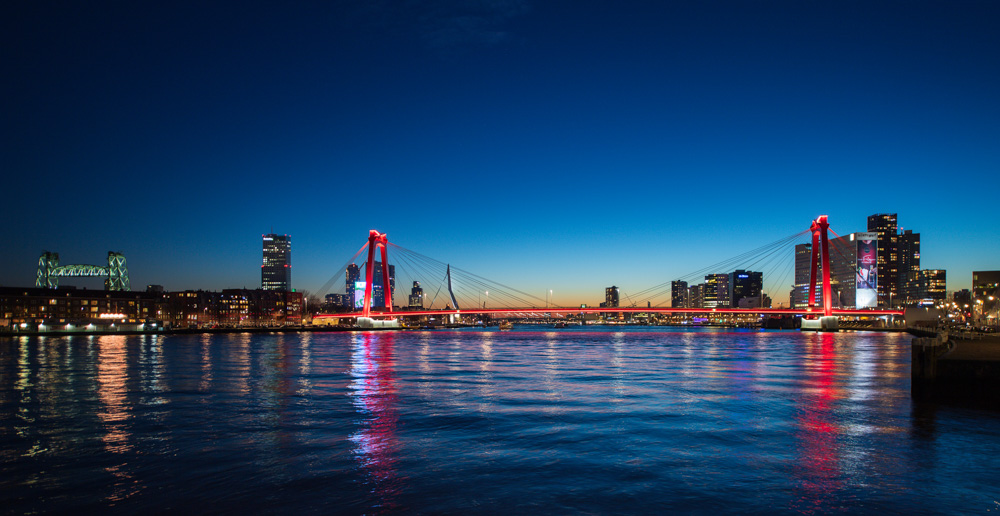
x=825, y=323
x=965, y=370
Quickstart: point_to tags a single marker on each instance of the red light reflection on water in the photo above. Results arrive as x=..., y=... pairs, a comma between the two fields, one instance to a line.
x=373, y=366
x=819, y=453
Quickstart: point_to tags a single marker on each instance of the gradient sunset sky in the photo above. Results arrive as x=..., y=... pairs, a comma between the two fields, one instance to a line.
x=564, y=145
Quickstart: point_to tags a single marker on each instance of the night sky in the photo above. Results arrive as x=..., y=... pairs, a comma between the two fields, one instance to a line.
x=565, y=145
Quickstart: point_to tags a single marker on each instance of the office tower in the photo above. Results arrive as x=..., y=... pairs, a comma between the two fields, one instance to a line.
x=611, y=297
x=696, y=296
x=799, y=297
x=276, y=271
x=678, y=294
x=416, y=296
x=352, y=300
x=378, y=293
x=884, y=224
x=909, y=265
x=985, y=284
x=745, y=285
x=715, y=293
x=933, y=284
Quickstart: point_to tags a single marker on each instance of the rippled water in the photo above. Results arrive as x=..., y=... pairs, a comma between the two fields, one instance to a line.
x=445, y=422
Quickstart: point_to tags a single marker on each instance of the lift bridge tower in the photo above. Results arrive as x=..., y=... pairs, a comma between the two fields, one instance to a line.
x=49, y=271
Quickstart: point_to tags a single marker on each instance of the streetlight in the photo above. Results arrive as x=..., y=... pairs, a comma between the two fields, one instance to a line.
x=547, y=295
x=487, y=299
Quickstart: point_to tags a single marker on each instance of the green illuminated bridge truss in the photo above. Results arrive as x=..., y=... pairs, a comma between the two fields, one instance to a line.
x=49, y=271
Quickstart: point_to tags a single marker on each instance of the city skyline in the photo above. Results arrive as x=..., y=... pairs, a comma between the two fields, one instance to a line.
x=546, y=146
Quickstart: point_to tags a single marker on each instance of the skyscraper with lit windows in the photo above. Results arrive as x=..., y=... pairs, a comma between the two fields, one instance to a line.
x=276, y=270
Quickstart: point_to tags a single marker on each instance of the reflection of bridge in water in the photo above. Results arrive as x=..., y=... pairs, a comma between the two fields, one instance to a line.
x=816, y=315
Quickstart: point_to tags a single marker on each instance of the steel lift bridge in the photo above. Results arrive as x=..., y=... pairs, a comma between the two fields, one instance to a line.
x=49, y=271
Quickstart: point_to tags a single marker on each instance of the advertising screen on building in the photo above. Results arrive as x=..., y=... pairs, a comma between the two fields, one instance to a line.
x=359, y=295
x=866, y=293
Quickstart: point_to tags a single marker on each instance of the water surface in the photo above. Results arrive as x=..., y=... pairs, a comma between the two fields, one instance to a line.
x=560, y=421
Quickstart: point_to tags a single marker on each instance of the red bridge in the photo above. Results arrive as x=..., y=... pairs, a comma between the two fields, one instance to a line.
x=820, y=260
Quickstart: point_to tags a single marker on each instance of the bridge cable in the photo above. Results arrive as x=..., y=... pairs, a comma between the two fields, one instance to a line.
x=472, y=275
x=329, y=284
x=730, y=263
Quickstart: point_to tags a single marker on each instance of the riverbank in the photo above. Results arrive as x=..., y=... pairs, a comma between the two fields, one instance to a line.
x=193, y=331
x=963, y=370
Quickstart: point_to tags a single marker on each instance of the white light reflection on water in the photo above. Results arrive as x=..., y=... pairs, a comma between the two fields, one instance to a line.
x=206, y=363
x=112, y=390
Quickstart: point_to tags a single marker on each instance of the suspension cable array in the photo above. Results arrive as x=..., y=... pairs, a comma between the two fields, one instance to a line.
x=773, y=260
x=470, y=289
x=453, y=285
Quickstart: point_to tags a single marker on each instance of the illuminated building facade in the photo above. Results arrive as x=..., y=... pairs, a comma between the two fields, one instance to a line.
x=696, y=298
x=611, y=297
x=416, y=296
x=986, y=293
x=70, y=309
x=353, y=280
x=884, y=225
x=933, y=284
x=63, y=308
x=985, y=284
x=378, y=292
x=716, y=291
x=276, y=270
x=909, y=262
x=678, y=294
x=745, y=285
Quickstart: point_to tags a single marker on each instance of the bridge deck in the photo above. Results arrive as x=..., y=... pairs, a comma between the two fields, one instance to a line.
x=589, y=310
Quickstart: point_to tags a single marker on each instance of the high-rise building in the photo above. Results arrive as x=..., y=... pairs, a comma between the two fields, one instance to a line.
x=884, y=224
x=696, y=298
x=378, y=293
x=276, y=271
x=933, y=284
x=678, y=294
x=909, y=261
x=416, y=296
x=745, y=285
x=715, y=293
x=352, y=301
x=611, y=301
x=799, y=297
x=611, y=296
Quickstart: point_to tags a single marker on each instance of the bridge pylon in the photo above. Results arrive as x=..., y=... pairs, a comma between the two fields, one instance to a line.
x=820, y=250
x=380, y=240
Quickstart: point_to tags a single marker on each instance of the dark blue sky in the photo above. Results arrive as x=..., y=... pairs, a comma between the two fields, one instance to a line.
x=565, y=145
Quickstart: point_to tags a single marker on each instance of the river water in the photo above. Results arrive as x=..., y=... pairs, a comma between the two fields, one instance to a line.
x=539, y=421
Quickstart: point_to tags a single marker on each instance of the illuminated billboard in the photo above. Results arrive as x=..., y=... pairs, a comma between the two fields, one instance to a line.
x=866, y=283
x=359, y=295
